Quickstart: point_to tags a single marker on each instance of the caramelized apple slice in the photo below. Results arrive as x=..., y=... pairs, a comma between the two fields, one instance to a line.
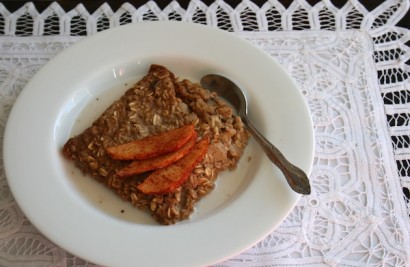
x=167, y=179
x=140, y=166
x=152, y=146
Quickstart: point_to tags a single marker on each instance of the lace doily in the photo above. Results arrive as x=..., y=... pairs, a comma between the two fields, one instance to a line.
x=351, y=66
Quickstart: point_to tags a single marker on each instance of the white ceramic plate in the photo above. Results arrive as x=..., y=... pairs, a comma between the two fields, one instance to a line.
x=91, y=222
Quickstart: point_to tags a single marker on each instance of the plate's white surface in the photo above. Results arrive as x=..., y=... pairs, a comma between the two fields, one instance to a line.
x=82, y=216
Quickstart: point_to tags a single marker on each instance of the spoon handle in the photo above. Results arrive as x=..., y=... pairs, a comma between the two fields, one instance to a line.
x=296, y=178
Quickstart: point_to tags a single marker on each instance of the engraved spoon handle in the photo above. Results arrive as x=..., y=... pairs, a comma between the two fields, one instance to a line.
x=296, y=178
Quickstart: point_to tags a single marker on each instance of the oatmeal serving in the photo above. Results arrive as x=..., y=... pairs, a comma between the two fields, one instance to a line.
x=158, y=105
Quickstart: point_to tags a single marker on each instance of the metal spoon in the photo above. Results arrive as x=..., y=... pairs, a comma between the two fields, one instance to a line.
x=228, y=90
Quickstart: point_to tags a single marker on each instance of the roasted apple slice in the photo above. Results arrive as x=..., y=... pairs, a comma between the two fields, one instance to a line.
x=140, y=166
x=152, y=146
x=167, y=179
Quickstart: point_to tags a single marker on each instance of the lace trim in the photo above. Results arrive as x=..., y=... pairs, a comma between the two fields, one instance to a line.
x=247, y=16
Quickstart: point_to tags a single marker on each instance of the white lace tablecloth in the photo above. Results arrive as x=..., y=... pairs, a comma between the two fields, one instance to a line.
x=350, y=65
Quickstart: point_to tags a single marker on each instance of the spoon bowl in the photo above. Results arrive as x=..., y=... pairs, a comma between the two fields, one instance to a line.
x=228, y=90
